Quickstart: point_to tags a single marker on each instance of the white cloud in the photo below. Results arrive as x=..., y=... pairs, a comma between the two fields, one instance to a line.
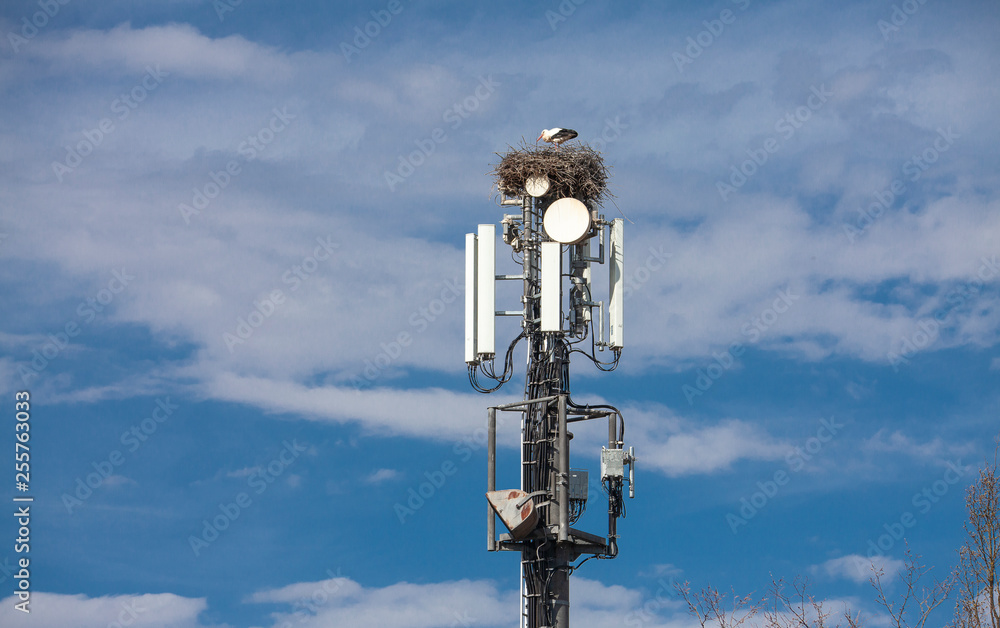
x=860, y=569
x=150, y=610
x=382, y=475
x=119, y=480
x=724, y=281
x=178, y=48
x=595, y=604
x=343, y=602
x=661, y=570
x=681, y=447
x=425, y=412
x=883, y=442
x=335, y=587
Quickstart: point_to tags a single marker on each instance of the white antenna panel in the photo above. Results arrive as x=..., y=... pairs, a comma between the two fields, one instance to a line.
x=616, y=265
x=551, y=286
x=486, y=294
x=470, y=299
x=585, y=254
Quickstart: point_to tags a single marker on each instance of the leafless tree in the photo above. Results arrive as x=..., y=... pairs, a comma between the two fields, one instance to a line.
x=712, y=607
x=799, y=609
x=976, y=577
x=781, y=609
x=901, y=609
x=977, y=605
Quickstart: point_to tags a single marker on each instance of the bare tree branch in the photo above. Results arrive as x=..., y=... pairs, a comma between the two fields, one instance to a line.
x=710, y=605
x=977, y=605
x=926, y=599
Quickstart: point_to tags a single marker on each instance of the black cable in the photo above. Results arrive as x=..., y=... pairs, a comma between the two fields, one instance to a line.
x=488, y=371
x=592, y=356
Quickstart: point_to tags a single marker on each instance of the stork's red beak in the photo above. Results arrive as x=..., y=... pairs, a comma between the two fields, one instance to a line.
x=540, y=136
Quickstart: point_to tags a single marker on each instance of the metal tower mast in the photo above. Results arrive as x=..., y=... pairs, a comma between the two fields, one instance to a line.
x=553, y=237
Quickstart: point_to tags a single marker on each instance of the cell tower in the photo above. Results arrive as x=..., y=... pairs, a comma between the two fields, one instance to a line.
x=555, y=233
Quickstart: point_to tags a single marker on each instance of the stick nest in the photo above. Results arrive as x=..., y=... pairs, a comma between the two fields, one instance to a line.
x=576, y=171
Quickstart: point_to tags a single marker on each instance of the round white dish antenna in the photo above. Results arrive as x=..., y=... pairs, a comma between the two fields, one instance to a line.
x=567, y=221
x=537, y=185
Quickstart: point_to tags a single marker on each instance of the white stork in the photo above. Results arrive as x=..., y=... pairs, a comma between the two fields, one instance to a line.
x=557, y=136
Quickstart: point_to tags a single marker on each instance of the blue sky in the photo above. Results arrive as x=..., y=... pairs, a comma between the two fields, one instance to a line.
x=232, y=256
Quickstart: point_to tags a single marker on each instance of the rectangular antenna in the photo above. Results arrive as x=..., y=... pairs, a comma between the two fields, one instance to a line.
x=486, y=296
x=616, y=265
x=551, y=286
x=470, y=298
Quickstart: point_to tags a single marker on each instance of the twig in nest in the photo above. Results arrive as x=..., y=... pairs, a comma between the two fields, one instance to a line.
x=574, y=170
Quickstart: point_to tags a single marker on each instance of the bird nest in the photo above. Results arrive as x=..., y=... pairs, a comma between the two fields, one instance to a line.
x=576, y=171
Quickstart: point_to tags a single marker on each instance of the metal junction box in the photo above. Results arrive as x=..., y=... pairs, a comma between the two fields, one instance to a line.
x=578, y=484
x=612, y=463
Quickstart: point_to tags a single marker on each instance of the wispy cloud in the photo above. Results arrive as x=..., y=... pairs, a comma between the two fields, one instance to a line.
x=382, y=475
x=157, y=610
x=346, y=603
x=860, y=569
x=377, y=410
x=680, y=447
x=661, y=570
x=178, y=48
x=896, y=442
